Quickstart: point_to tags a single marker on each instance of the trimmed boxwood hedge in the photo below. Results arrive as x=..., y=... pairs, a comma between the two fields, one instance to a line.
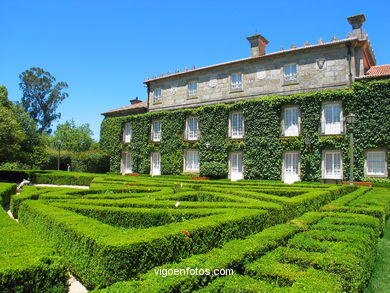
x=262, y=146
x=81, y=222
x=27, y=264
x=6, y=190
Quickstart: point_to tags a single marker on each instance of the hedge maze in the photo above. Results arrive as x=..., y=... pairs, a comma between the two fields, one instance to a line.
x=277, y=238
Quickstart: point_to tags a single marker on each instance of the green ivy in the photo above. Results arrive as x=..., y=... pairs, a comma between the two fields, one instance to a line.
x=263, y=146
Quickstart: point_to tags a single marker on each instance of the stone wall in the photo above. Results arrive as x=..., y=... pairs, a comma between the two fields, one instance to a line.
x=261, y=77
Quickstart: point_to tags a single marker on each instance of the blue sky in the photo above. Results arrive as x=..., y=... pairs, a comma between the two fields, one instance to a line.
x=105, y=50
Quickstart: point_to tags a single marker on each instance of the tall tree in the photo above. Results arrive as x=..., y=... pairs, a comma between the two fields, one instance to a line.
x=41, y=96
x=73, y=138
x=19, y=140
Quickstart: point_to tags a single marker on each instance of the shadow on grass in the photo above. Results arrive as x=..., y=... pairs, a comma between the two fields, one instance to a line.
x=380, y=279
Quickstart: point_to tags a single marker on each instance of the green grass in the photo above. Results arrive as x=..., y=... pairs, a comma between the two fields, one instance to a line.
x=380, y=279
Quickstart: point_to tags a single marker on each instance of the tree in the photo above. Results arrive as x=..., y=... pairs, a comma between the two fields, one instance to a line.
x=73, y=138
x=41, y=96
x=19, y=140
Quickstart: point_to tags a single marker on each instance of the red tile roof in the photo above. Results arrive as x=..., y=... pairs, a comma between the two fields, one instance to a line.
x=379, y=70
x=128, y=108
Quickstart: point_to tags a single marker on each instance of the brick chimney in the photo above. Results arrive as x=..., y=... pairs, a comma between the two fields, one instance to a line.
x=135, y=101
x=258, y=44
x=357, y=21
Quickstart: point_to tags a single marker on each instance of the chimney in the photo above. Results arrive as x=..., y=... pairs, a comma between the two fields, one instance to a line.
x=357, y=21
x=258, y=44
x=135, y=101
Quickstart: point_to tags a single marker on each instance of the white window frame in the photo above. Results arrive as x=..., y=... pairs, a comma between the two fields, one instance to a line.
x=153, y=171
x=195, y=166
x=127, y=132
x=291, y=131
x=156, y=136
x=327, y=130
x=157, y=95
x=236, y=85
x=332, y=176
x=237, y=176
x=192, y=135
x=366, y=163
x=290, y=76
x=127, y=161
x=192, y=88
x=236, y=134
x=285, y=178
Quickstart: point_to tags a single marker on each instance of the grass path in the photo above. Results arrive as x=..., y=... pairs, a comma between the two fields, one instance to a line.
x=380, y=279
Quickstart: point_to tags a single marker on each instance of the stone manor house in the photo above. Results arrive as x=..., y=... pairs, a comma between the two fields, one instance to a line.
x=313, y=67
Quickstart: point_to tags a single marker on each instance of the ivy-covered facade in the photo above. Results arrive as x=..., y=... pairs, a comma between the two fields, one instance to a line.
x=315, y=142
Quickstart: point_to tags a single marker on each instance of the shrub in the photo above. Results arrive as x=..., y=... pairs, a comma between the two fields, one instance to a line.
x=90, y=161
x=214, y=170
x=28, y=264
x=6, y=190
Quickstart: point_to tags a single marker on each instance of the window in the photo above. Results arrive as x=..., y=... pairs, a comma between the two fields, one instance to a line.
x=192, y=88
x=191, y=161
x=126, y=163
x=156, y=130
x=127, y=133
x=157, y=95
x=155, y=166
x=332, y=118
x=236, y=169
x=192, y=129
x=291, y=167
x=332, y=165
x=290, y=72
x=236, y=125
x=236, y=81
x=291, y=121
x=376, y=163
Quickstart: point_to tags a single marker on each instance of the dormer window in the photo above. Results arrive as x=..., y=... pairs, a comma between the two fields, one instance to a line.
x=192, y=88
x=290, y=72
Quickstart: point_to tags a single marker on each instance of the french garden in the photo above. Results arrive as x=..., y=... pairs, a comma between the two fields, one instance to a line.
x=304, y=237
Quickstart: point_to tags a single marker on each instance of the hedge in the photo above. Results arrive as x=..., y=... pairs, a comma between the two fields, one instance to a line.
x=27, y=264
x=6, y=190
x=96, y=251
x=262, y=146
x=346, y=238
x=302, y=265
x=374, y=202
x=87, y=226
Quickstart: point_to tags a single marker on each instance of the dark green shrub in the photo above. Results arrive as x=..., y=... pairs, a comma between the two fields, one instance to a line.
x=214, y=170
x=90, y=161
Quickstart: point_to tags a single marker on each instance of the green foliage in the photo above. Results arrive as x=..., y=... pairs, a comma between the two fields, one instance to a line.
x=73, y=138
x=28, y=264
x=262, y=146
x=90, y=161
x=6, y=190
x=20, y=142
x=41, y=96
x=138, y=217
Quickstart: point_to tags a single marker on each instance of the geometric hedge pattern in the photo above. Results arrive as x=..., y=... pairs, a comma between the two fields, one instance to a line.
x=276, y=237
